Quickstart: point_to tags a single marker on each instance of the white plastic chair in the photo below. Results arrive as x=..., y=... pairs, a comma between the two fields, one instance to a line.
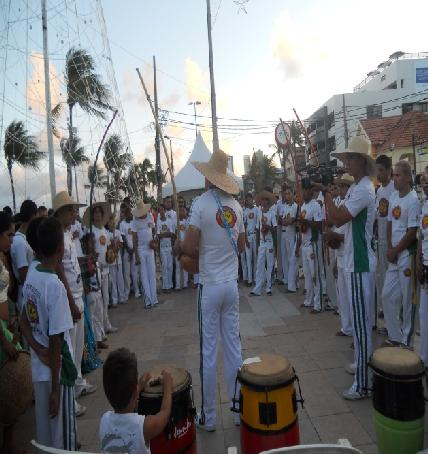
x=343, y=447
x=47, y=449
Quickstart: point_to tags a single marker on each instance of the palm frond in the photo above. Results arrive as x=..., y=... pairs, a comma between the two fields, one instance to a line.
x=56, y=113
x=73, y=154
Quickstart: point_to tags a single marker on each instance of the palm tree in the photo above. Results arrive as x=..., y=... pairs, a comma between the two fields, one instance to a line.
x=84, y=88
x=20, y=148
x=262, y=172
x=141, y=176
x=73, y=155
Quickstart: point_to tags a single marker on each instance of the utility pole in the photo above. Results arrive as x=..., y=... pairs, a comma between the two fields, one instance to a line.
x=345, y=124
x=157, y=140
x=213, y=96
x=48, y=102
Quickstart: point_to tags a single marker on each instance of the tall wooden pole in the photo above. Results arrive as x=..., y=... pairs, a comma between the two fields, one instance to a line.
x=48, y=102
x=213, y=95
x=157, y=143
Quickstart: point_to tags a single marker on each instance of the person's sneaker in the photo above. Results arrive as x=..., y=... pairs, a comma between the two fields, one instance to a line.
x=314, y=311
x=80, y=410
x=254, y=294
x=382, y=331
x=88, y=389
x=112, y=329
x=201, y=426
x=328, y=308
x=390, y=343
x=137, y=296
x=269, y=293
x=350, y=394
x=350, y=369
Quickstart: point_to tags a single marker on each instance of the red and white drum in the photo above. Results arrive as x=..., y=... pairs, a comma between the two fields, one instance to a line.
x=179, y=437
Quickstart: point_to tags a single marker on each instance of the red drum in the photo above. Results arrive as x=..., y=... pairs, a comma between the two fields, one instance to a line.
x=179, y=437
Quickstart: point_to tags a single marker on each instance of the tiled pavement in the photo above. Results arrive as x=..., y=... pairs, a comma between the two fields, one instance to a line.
x=168, y=334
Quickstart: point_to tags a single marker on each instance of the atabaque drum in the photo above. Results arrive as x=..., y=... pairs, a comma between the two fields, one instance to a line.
x=179, y=437
x=268, y=404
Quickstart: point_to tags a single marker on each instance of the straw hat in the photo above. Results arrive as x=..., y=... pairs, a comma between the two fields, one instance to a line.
x=265, y=195
x=345, y=179
x=215, y=171
x=63, y=199
x=141, y=209
x=358, y=145
x=106, y=210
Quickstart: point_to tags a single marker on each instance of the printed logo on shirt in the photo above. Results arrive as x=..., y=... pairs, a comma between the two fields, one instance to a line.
x=383, y=208
x=164, y=228
x=407, y=272
x=103, y=240
x=425, y=221
x=396, y=212
x=251, y=215
x=229, y=216
x=182, y=227
x=303, y=228
x=264, y=219
x=32, y=314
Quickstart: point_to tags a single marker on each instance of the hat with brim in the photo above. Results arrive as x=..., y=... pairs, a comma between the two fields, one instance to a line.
x=345, y=179
x=63, y=199
x=141, y=209
x=106, y=210
x=358, y=146
x=269, y=196
x=215, y=171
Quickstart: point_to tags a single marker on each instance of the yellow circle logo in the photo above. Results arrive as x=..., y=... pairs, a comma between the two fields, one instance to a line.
x=425, y=221
x=228, y=218
x=407, y=272
x=396, y=212
x=103, y=240
x=383, y=208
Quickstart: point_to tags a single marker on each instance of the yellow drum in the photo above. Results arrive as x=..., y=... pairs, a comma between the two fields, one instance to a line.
x=268, y=404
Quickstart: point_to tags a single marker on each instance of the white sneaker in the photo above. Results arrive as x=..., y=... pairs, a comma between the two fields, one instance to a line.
x=350, y=369
x=88, y=389
x=111, y=330
x=350, y=394
x=79, y=409
x=205, y=427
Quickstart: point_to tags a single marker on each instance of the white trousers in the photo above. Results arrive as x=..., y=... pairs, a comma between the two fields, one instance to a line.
x=397, y=294
x=251, y=257
x=279, y=270
x=148, y=276
x=244, y=269
x=167, y=267
x=178, y=275
x=96, y=306
x=265, y=262
x=330, y=280
x=344, y=302
x=117, y=286
x=58, y=432
x=312, y=273
x=130, y=268
x=360, y=288
x=289, y=262
x=77, y=336
x=106, y=298
x=423, y=323
x=382, y=266
x=196, y=279
x=218, y=313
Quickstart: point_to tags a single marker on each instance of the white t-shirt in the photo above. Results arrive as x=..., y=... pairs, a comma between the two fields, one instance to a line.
x=77, y=227
x=403, y=214
x=21, y=253
x=250, y=219
x=279, y=206
x=382, y=207
x=126, y=230
x=144, y=230
x=424, y=232
x=266, y=218
x=48, y=312
x=288, y=211
x=310, y=211
x=218, y=262
x=341, y=230
x=102, y=240
x=164, y=227
x=358, y=251
x=72, y=267
x=172, y=216
x=183, y=224
x=123, y=433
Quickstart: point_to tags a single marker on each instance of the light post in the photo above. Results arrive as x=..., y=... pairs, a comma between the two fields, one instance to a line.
x=195, y=103
x=170, y=150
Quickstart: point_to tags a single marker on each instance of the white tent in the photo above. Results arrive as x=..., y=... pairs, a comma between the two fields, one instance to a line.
x=188, y=178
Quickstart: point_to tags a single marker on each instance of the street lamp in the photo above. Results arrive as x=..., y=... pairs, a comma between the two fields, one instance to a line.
x=195, y=103
x=170, y=150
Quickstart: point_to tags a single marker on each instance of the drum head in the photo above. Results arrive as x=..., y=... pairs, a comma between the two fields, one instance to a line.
x=270, y=371
x=16, y=389
x=397, y=361
x=180, y=379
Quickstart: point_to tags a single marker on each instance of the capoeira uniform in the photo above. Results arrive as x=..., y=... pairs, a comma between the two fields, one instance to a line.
x=102, y=240
x=250, y=221
x=360, y=266
x=266, y=252
x=117, y=286
x=342, y=291
x=218, y=299
x=144, y=230
x=288, y=245
x=182, y=227
x=277, y=208
x=399, y=287
x=21, y=255
x=382, y=204
x=312, y=255
x=130, y=268
x=77, y=234
x=94, y=298
x=165, y=244
x=423, y=308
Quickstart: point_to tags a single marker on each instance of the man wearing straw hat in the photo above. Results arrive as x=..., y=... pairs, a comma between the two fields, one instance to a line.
x=216, y=235
x=358, y=213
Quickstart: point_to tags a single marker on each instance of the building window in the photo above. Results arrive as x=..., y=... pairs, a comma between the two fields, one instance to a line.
x=374, y=111
x=406, y=107
x=330, y=120
x=402, y=83
x=424, y=107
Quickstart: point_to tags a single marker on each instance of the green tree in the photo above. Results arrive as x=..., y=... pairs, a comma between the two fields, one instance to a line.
x=141, y=177
x=73, y=154
x=22, y=149
x=262, y=172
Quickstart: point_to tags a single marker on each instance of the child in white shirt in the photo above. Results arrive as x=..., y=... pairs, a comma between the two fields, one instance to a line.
x=117, y=286
x=123, y=430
